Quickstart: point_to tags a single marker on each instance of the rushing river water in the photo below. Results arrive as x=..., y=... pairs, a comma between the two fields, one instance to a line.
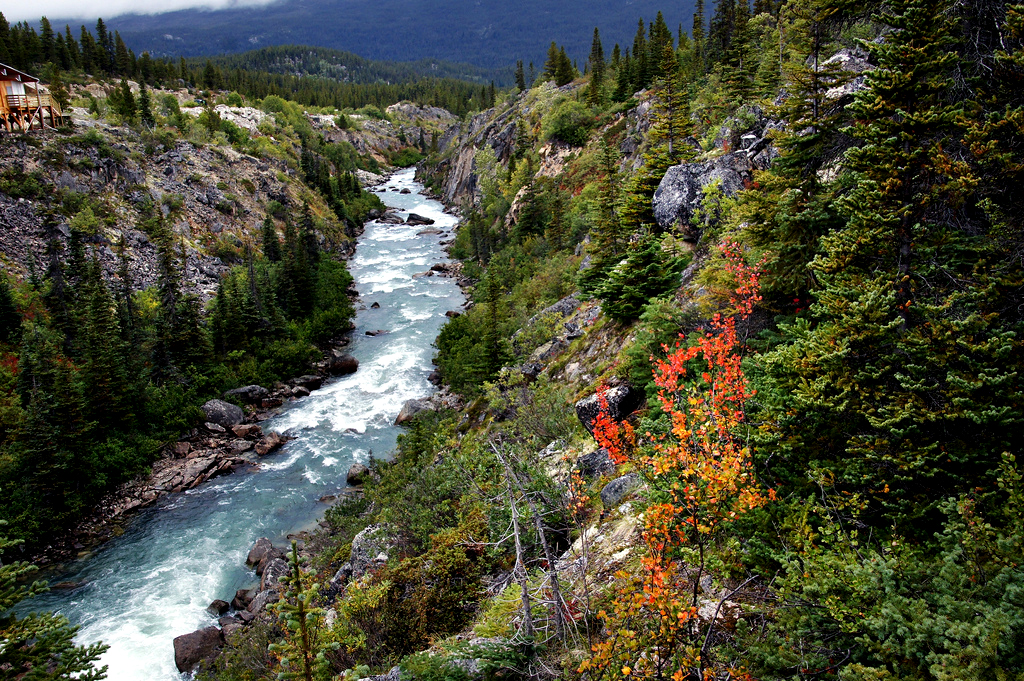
x=155, y=581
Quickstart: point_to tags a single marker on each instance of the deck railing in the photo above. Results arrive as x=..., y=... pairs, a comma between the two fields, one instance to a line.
x=26, y=102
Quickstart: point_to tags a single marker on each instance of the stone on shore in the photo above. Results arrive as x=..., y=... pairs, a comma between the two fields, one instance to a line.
x=261, y=548
x=343, y=365
x=357, y=474
x=218, y=607
x=309, y=382
x=250, y=394
x=269, y=443
x=410, y=409
x=191, y=649
x=223, y=414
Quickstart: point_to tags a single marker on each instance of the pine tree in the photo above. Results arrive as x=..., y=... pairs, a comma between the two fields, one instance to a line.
x=594, y=90
x=10, y=318
x=145, y=107
x=648, y=272
x=520, y=76
x=302, y=653
x=887, y=396
x=795, y=209
x=564, y=70
x=39, y=645
x=551, y=64
x=671, y=111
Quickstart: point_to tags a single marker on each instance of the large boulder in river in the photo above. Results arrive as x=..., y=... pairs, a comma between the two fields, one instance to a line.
x=682, y=188
x=250, y=394
x=621, y=402
x=415, y=219
x=340, y=366
x=223, y=413
x=191, y=649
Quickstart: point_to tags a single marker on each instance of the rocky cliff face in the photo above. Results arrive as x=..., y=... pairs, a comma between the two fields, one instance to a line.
x=212, y=197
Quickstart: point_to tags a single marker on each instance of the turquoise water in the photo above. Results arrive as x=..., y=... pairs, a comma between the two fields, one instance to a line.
x=155, y=581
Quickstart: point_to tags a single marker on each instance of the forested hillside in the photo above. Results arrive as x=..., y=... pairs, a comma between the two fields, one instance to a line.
x=777, y=269
x=488, y=34
x=741, y=369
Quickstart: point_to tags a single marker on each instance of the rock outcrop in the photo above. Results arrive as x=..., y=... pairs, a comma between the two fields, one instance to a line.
x=621, y=401
x=223, y=413
x=191, y=649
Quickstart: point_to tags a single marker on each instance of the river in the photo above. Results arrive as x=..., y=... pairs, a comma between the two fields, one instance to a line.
x=155, y=581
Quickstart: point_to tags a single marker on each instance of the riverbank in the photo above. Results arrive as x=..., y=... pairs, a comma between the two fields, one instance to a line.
x=154, y=582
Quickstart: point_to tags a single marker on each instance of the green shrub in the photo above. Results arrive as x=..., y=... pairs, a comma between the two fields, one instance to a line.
x=569, y=122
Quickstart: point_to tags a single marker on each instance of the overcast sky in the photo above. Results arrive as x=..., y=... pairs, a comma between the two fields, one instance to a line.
x=89, y=10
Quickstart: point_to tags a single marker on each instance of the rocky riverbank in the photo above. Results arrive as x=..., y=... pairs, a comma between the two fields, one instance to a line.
x=230, y=439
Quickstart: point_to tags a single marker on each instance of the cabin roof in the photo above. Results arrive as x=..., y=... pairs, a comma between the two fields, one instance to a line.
x=9, y=73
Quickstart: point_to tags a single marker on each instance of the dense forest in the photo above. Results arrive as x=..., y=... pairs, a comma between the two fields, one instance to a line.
x=318, y=82
x=486, y=33
x=805, y=384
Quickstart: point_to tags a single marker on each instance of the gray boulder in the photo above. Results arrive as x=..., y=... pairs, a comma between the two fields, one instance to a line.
x=371, y=548
x=343, y=365
x=622, y=401
x=415, y=219
x=616, y=490
x=595, y=464
x=223, y=413
x=410, y=409
x=309, y=382
x=250, y=394
x=191, y=649
x=259, y=550
x=357, y=474
x=261, y=601
x=682, y=189
x=218, y=607
x=270, y=581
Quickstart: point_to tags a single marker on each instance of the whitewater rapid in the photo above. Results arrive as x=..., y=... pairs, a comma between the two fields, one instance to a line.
x=155, y=581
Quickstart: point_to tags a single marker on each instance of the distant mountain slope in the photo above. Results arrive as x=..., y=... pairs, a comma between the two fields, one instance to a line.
x=488, y=33
x=303, y=60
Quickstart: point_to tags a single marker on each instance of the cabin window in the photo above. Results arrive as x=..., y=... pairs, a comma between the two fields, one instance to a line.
x=15, y=88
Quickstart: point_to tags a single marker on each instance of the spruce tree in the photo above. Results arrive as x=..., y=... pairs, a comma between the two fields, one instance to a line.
x=647, y=272
x=271, y=245
x=10, y=318
x=520, y=76
x=881, y=392
x=39, y=645
x=594, y=90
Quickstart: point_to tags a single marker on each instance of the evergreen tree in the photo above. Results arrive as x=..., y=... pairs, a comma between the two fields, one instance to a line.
x=875, y=393
x=648, y=272
x=594, y=90
x=10, y=318
x=551, y=64
x=47, y=41
x=271, y=245
x=145, y=107
x=564, y=70
x=520, y=76
x=39, y=645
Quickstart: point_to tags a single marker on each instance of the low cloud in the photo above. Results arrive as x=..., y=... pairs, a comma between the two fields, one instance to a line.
x=89, y=10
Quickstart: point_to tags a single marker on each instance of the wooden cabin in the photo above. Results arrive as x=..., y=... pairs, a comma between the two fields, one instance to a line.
x=23, y=102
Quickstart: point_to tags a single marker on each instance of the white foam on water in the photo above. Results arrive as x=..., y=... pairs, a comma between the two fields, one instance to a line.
x=155, y=581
